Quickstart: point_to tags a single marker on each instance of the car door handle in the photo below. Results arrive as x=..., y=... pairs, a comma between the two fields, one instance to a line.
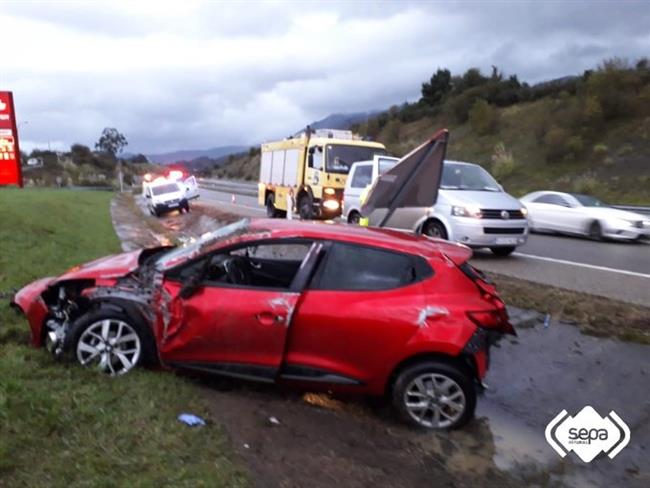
x=256, y=265
x=268, y=318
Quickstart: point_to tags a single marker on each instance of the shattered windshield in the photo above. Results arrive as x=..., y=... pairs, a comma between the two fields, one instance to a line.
x=186, y=251
x=340, y=157
x=587, y=201
x=467, y=177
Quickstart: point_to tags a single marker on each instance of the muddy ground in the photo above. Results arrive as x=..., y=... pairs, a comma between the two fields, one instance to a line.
x=323, y=441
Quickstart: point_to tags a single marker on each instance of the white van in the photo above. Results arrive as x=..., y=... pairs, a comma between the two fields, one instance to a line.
x=362, y=174
x=472, y=209
x=165, y=196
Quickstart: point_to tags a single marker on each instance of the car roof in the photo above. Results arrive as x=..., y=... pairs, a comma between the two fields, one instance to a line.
x=385, y=238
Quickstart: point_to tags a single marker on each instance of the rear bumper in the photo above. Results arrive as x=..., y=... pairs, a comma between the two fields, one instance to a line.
x=488, y=232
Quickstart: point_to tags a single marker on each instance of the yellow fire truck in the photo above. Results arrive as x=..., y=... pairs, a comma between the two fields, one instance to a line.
x=314, y=166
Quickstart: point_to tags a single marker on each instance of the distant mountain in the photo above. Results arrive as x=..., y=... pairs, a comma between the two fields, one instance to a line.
x=343, y=121
x=192, y=154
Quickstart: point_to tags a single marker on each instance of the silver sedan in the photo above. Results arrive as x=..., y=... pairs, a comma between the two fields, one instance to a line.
x=574, y=213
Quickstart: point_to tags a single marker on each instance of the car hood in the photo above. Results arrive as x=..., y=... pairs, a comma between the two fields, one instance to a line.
x=613, y=213
x=107, y=267
x=484, y=199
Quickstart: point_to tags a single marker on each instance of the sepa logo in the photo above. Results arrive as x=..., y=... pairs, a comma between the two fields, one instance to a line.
x=587, y=434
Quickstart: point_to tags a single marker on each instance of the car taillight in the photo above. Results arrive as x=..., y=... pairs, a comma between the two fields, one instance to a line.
x=493, y=319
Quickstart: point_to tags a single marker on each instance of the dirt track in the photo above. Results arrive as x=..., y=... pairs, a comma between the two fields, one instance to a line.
x=322, y=441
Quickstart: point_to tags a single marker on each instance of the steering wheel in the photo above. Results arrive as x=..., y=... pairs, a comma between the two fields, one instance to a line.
x=235, y=272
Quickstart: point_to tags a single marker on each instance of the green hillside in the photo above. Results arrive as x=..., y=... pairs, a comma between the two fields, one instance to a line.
x=588, y=134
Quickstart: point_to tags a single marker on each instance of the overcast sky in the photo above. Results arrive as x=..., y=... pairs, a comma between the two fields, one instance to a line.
x=188, y=74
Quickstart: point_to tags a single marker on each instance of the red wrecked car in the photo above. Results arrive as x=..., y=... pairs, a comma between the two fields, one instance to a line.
x=349, y=309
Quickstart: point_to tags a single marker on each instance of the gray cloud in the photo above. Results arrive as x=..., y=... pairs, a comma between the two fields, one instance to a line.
x=195, y=74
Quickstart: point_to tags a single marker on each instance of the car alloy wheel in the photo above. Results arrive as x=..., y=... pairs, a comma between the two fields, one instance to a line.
x=434, y=401
x=110, y=345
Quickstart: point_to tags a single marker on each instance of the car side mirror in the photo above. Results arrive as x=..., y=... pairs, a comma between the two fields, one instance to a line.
x=190, y=287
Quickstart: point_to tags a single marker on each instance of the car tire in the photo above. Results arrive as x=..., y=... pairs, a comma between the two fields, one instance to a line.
x=434, y=395
x=502, y=251
x=271, y=211
x=306, y=207
x=111, y=340
x=354, y=217
x=435, y=228
x=595, y=231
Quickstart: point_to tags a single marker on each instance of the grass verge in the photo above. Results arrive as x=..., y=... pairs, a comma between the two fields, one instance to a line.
x=594, y=315
x=61, y=425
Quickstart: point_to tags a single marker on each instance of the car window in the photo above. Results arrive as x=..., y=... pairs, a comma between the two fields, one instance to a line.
x=552, y=200
x=362, y=176
x=162, y=189
x=351, y=267
x=267, y=265
x=294, y=251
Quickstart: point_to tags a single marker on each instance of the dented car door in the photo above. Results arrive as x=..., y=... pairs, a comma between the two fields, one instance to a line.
x=236, y=329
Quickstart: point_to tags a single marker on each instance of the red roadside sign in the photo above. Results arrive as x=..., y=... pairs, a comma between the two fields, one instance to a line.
x=10, y=173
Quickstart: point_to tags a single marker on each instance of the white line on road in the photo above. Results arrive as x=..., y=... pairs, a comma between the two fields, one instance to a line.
x=582, y=265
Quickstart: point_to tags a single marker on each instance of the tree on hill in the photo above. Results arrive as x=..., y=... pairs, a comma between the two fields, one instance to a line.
x=111, y=141
x=439, y=85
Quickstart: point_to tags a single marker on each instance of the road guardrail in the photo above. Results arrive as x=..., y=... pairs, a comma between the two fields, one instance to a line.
x=250, y=189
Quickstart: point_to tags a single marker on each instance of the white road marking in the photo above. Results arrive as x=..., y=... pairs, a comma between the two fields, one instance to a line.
x=582, y=265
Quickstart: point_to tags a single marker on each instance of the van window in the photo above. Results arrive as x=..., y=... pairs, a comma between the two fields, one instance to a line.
x=467, y=177
x=386, y=164
x=362, y=176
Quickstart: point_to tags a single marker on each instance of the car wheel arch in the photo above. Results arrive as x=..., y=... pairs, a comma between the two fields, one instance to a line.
x=462, y=361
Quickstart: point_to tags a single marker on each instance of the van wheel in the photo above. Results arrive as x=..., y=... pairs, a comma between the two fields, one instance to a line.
x=306, y=207
x=502, y=251
x=271, y=211
x=434, y=395
x=434, y=228
x=354, y=217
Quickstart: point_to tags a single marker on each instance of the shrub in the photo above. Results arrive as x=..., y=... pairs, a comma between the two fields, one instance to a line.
x=556, y=141
x=503, y=164
x=586, y=183
x=600, y=150
x=483, y=117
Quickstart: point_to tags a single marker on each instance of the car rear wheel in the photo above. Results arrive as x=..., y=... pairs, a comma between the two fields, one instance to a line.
x=434, y=395
x=354, y=217
x=434, y=228
x=502, y=251
x=595, y=231
x=110, y=341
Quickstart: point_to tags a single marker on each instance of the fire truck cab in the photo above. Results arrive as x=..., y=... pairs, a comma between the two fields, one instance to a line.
x=310, y=170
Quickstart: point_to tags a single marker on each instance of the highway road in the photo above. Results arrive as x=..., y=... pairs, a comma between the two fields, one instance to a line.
x=616, y=270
